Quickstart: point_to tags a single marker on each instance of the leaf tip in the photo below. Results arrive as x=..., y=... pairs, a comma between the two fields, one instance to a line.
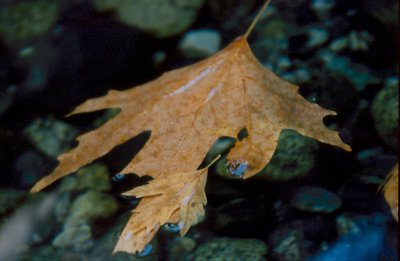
x=346, y=147
x=342, y=144
x=40, y=185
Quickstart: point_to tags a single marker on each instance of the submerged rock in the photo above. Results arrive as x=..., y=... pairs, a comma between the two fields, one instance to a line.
x=224, y=249
x=90, y=206
x=358, y=74
x=180, y=247
x=322, y=8
x=294, y=157
x=31, y=166
x=9, y=199
x=271, y=43
x=365, y=243
x=355, y=41
x=162, y=18
x=94, y=177
x=27, y=225
x=317, y=36
x=79, y=237
x=86, y=208
x=345, y=224
x=22, y=20
x=47, y=252
x=50, y=136
x=385, y=112
x=332, y=91
x=287, y=245
x=299, y=76
x=315, y=199
x=386, y=11
x=7, y=97
x=200, y=43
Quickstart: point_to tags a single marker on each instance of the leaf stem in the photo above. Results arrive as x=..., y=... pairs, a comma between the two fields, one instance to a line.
x=255, y=20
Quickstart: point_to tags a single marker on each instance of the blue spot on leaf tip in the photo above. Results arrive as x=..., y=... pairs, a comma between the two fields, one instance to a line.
x=170, y=227
x=118, y=177
x=146, y=251
x=237, y=168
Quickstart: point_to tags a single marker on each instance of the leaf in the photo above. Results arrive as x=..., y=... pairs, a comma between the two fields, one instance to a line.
x=179, y=197
x=391, y=191
x=187, y=110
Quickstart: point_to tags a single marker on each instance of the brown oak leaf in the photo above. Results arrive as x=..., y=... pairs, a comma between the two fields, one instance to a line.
x=187, y=110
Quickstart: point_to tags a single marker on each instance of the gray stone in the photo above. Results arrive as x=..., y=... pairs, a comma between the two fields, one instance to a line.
x=385, y=112
x=162, y=18
x=359, y=41
x=90, y=206
x=23, y=20
x=283, y=63
x=50, y=136
x=315, y=199
x=359, y=75
x=78, y=237
x=317, y=36
x=30, y=167
x=86, y=208
x=224, y=249
x=387, y=12
x=339, y=44
x=355, y=41
x=322, y=8
x=299, y=76
x=200, y=43
x=94, y=177
x=9, y=199
x=62, y=207
x=180, y=247
x=345, y=225
x=293, y=157
x=287, y=245
x=7, y=97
